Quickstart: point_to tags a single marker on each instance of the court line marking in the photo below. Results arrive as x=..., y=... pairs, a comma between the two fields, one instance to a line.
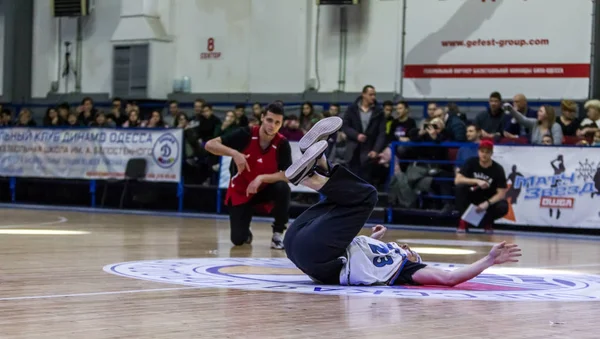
x=92, y=294
x=60, y=220
x=570, y=266
x=189, y=215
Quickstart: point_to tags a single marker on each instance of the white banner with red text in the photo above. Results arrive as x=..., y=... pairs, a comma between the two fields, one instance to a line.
x=96, y=153
x=468, y=48
x=552, y=186
x=225, y=174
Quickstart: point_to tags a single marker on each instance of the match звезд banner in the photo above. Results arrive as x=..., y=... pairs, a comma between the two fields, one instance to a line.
x=96, y=153
x=552, y=186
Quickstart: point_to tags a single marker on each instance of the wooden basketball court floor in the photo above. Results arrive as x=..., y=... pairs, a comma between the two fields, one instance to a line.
x=62, y=277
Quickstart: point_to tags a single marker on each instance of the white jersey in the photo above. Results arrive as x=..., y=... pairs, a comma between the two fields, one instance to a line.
x=371, y=262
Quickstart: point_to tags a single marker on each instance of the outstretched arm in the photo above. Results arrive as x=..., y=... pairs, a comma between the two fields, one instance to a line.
x=500, y=253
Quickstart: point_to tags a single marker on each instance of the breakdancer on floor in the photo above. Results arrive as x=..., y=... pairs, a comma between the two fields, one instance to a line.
x=323, y=241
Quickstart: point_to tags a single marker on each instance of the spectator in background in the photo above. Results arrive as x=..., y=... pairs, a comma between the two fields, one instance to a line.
x=308, y=118
x=87, y=111
x=100, y=120
x=492, y=120
x=25, y=119
x=240, y=114
x=51, y=119
x=469, y=151
x=399, y=131
x=591, y=124
x=568, y=120
x=173, y=111
x=257, y=111
x=133, y=120
x=388, y=110
x=64, y=110
x=452, y=108
x=73, y=120
x=547, y=140
x=334, y=110
x=6, y=118
x=596, y=138
x=482, y=182
x=545, y=123
x=455, y=127
x=292, y=131
x=209, y=126
x=182, y=120
x=512, y=128
x=364, y=126
x=252, y=121
x=116, y=115
x=156, y=121
x=229, y=124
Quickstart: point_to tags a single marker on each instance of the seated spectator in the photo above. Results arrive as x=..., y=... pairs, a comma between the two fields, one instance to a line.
x=100, y=120
x=156, y=121
x=240, y=114
x=596, y=138
x=545, y=123
x=292, y=131
x=25, y=119
x=6, y=118
x=182, y=120
x=51, y=119
x=173, y=112
x=568, y=120
x=308, y=118
x=492, y=120
x=482, y=182
x=116, y=115
x=547, y=140
x=229, y=124
x=87, y=111
x=252, y=121
x=512, y=128
x=63, y=111
x=257, y=111
x=399, y=130
x=455, y=127
x=73, y=121
x=198, y=109
x=452, y=108
x=334, y=110
x=591, y=124
x=133, y=120
x=469, y=151
x=209, y=126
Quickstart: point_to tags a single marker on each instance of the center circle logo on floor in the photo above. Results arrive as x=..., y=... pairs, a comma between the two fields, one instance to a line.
x=280, y=275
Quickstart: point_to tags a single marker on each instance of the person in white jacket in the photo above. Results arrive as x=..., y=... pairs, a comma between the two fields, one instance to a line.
x=323, y=241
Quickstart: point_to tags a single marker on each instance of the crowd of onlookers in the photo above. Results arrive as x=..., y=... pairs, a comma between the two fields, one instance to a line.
x=363, y=142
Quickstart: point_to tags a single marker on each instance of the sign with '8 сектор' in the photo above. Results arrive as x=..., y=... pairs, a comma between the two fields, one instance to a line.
x=96, y=153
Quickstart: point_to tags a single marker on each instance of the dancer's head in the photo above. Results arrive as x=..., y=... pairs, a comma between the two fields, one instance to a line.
x=272, y=119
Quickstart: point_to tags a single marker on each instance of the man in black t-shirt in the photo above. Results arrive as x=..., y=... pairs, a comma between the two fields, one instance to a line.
x=482, y=182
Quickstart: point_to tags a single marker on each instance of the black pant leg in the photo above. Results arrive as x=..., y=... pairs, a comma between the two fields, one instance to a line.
x=462, y=198
x=495, y=212
x=240, y=217
x=279, y=194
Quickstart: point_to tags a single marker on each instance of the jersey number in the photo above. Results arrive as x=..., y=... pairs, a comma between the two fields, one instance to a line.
x=383, y=260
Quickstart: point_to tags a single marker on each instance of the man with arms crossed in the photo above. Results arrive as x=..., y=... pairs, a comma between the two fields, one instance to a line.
x=323, y=241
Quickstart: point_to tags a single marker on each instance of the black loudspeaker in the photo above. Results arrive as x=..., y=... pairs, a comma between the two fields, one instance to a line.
x=70, y=8
x=338, y=2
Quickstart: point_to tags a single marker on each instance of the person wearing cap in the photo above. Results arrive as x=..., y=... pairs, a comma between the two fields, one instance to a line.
x=482, y=182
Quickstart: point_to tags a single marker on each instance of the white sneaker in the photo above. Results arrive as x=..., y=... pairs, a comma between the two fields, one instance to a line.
x=305, y=166
x=277, y=241
x=320, y=131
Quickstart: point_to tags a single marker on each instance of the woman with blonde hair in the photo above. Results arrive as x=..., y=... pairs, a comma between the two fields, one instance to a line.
x=591, y=124
x=545, y=123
